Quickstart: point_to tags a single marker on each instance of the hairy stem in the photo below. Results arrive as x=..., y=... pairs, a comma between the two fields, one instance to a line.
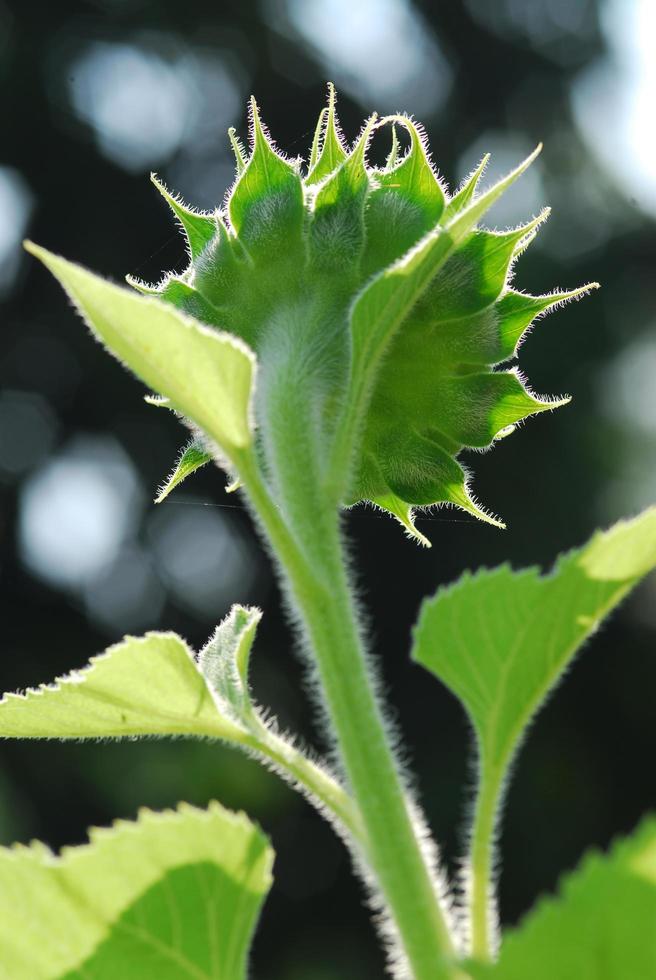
x=480, y=887
x=392, y=847
x=313, y=781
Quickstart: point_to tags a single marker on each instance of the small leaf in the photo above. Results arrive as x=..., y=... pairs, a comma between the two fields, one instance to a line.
x=599, y=927
x=142, y=686
x=191, y=458
x=207, y=375
x=199, y=228
x=494, y=334
x=410, y=465
x=172, y=895
x=403, y=512
x=325, y=160
x=475, y=408
x=153, y=685
x=225, y=658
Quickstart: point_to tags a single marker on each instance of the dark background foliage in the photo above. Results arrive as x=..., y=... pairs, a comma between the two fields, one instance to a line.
x=96, y=94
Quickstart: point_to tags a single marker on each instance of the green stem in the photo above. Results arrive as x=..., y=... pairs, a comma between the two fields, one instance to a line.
x=481, y=901
x=317, y=784
x=393, y=848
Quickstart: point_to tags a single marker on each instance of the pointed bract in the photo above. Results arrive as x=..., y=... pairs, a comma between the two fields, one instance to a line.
x=337, y=230
x=191, y=458
x=199, y=229
x=327, y=148
x=266, y=205
x=238, y=150
x=407, y=203
x=465, y=194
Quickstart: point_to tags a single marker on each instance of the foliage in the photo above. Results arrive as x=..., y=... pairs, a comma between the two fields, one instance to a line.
x=173, y=895
x=341, y=334
x=500, y=640
x=601, y=925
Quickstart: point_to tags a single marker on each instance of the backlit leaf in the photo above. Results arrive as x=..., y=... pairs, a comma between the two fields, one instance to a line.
x=174, y=895
x=206, y=374
x=501, y=639
x=599, y=927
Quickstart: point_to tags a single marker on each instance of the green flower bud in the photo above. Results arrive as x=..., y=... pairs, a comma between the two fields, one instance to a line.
x=374, y=300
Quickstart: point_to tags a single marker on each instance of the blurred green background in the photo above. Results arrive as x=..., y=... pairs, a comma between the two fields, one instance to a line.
x=97, y=94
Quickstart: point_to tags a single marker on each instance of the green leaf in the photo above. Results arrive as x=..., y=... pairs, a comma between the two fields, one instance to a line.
x=600, y=927
x=494, y=334
x=409, y=441
x=174, y=895
x=500, y=640
x=199, y=228
x=207, y=375
x=476, y=273
x=191, y=458
x=143, y=686
x=224, y=660
x=156, y=686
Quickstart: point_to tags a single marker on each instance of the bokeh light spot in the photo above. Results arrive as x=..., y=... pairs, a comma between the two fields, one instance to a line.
x=27, y=431
x=614, y=100
x=201, y=556
x=143, y=104
x=16, y=203
x=127, y=595
x=76, y=511
x=378, y=50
